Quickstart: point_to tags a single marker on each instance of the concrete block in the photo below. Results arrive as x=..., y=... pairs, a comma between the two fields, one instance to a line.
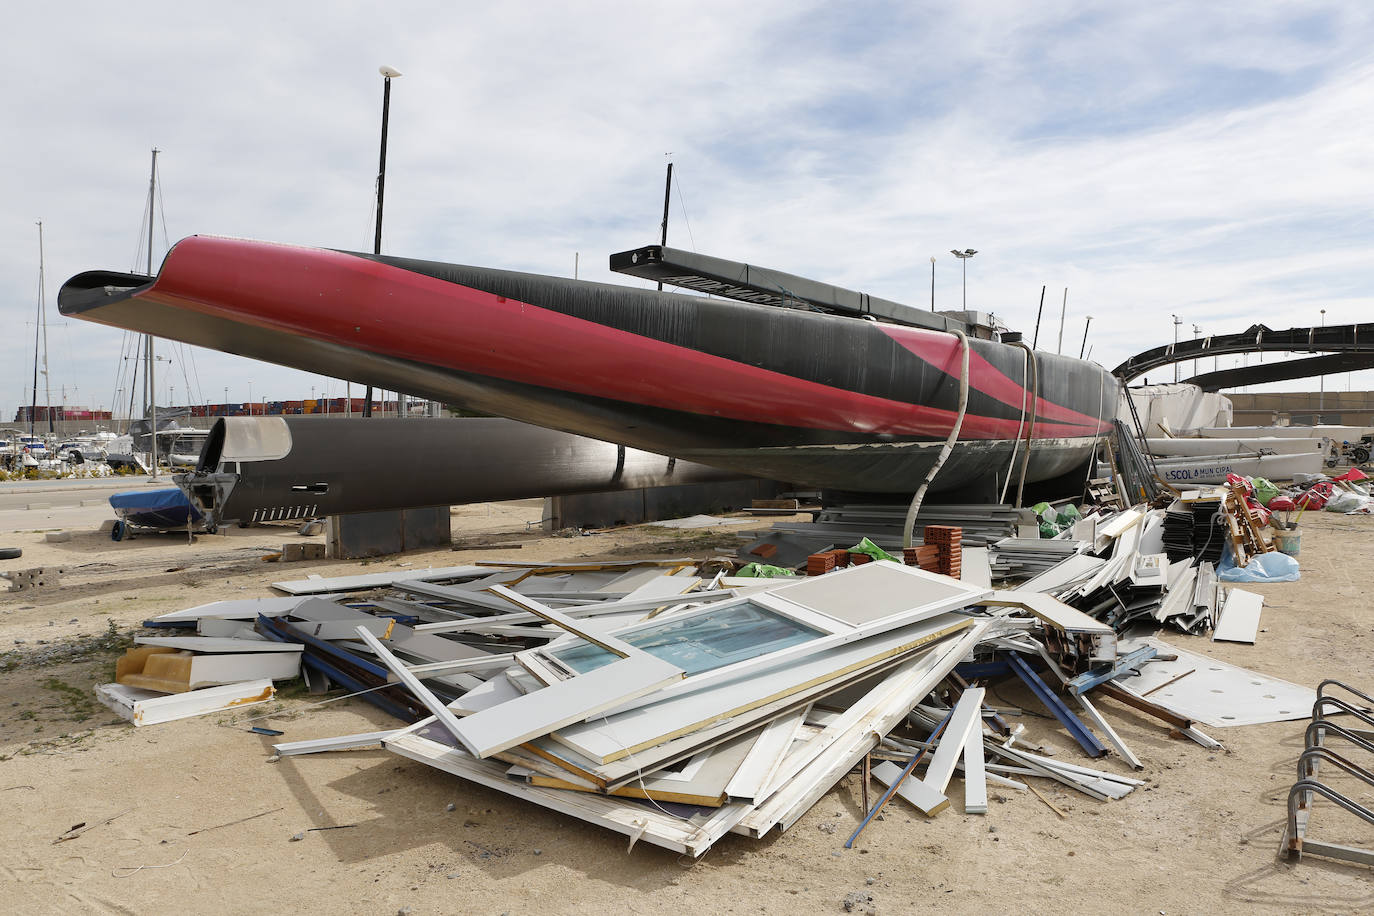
x=38, y=506
x=39, y=577
x=57, y=537
x=294, y=553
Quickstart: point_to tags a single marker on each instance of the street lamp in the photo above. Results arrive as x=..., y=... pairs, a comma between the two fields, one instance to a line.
x=932, y=283
x=1197, y=332
x=1088, y=322
x=249, y=405
x=963, y=257
x=1177, y=321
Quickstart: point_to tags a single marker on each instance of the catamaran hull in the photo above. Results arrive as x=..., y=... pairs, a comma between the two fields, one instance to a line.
x=814, y=399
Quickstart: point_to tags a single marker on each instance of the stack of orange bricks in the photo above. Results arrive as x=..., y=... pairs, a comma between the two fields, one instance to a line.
x=823, y=562
x=948, y=541
x=927, y=556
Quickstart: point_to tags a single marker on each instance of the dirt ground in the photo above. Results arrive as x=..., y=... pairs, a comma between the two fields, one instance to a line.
x=192, y=816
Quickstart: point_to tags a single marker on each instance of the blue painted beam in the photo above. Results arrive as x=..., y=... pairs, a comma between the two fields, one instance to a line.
x=1100, y=675
x=1086, y=739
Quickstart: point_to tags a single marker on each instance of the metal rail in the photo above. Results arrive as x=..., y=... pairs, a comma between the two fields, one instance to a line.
x=1347, y=338
x=1294, y=841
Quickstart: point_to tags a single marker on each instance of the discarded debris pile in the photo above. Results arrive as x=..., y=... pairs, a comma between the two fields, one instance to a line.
x=675, y=709
x=172, y=677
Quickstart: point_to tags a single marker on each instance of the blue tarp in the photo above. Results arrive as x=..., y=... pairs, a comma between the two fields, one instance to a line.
x=154, y=508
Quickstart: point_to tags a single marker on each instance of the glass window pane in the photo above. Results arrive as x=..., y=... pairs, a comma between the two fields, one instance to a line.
x=702, y=642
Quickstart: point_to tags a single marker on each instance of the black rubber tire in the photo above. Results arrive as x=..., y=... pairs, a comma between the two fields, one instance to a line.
x=11, y=553
x=1361, y=455
x=117, y=532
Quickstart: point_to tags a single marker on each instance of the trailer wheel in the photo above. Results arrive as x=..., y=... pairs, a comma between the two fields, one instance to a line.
x=1360, y=454
x=118, y=531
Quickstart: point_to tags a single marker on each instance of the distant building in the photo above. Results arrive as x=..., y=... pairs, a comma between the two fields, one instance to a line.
x=42, y=413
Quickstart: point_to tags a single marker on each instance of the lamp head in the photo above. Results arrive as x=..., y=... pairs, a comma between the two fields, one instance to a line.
x=388, y=72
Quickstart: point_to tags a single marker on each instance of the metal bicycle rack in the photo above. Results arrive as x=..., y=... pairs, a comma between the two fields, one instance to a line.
x=1316, y=752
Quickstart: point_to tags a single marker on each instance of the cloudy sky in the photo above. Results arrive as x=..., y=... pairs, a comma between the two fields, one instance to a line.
x=1211, y=161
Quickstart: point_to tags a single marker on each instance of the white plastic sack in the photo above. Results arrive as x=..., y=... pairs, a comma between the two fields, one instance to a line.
x=1342, y=501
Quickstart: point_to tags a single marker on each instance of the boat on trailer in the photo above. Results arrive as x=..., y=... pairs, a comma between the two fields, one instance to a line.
x=814, y=385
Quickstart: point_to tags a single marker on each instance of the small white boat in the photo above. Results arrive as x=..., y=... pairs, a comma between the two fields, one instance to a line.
x=1262, y=445
x=1337, y=434
x=1214, y=468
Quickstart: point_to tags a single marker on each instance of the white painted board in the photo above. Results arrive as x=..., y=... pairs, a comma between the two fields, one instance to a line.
x=920, y=795
x=217, y=644
x=1240, y=617
x=1216, y=693
x=623, y=733
x=966, y=717
x=148, y=707
x=975, y=774
x=534, y=715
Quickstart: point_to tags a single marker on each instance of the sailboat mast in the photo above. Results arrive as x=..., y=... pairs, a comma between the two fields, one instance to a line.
x=43, y=321
x=667, y=198
x=37, y=329
x=148, y=378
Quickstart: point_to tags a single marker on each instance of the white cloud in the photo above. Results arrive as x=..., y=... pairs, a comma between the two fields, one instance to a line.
x=1164, y=159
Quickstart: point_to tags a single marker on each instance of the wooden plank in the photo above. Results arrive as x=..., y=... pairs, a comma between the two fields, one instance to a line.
x=1240, y=617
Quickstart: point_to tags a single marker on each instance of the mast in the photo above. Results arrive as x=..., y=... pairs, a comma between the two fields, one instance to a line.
x=667, y=196
x=149, y=381
x=37, y=329
x=43, y=320
x=387, y=74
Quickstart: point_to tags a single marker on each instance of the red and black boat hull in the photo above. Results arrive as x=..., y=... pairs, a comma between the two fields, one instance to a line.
x=815, y=399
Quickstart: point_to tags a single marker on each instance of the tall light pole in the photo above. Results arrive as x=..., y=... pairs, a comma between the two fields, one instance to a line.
x=1197, y=332
x=249, y=405
x=388, y=74
x=1321, y=397
x=932, y=283
x=963, y=257
x=1177, y=321
x=1086, y=324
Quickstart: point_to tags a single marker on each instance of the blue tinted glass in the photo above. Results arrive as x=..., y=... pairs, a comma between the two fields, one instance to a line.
x=702, y=642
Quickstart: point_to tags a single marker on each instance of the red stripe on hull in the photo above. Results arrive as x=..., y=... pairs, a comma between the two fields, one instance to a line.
x=942, y=352
x=359, y=303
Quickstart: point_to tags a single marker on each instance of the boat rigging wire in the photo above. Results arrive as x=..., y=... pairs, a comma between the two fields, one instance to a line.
x=1016, y=443
x=920, y=494
x=1030, y=433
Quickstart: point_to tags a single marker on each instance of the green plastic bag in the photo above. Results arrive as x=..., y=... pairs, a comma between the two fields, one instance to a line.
x=873, y=550
x=1264, y=490
x=764, y=571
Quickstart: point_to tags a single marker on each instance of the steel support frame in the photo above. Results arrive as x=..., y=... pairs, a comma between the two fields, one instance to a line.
x=1080, y=732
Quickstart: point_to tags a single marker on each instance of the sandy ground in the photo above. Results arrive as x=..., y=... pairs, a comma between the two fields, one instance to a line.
x=192, y=816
